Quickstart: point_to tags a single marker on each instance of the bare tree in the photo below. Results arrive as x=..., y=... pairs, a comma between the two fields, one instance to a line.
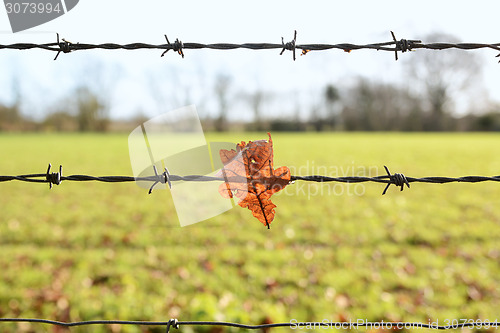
x=332, y=96
x=91, y=113
x=257, y=100
x=171, y=90
x=371, y=106
x=93, y=95
x=316, y=119
x=438, y=78
x=222, y=85
x=10, y=115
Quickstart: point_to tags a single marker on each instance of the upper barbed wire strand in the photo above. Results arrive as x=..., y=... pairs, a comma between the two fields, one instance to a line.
x=402, y=45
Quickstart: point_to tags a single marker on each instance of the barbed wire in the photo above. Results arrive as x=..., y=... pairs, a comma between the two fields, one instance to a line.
x=178, y=46
x=292, y=324
x=398, y=179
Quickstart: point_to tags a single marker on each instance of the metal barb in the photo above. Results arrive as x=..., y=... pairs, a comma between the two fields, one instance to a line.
x=290, y=45
x=397, y=179
x=64, y=46
x=174, y=323
x=166, y=174
x=402, y=45
x=164, y=178
x=55, y=177
x=177, y=47
x=396, y=43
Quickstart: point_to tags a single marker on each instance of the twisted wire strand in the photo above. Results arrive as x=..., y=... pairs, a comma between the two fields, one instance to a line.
x=200, y=178
x=384, y=179
x=176, y=324
x=178, y=46
x=398, y=179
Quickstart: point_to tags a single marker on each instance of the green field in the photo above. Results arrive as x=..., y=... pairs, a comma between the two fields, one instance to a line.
x=88, y=251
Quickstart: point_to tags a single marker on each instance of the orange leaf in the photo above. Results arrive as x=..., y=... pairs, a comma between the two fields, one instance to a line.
x=249, y=175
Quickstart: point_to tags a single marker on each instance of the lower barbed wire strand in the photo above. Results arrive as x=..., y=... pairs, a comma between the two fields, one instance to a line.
x=40, y=178
x=385, y=179
x=292, y=324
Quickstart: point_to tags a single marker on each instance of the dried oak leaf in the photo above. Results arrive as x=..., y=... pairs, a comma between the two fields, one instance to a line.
x=249, y=176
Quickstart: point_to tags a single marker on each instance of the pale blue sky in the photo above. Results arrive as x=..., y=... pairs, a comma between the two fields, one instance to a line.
x=45, y=81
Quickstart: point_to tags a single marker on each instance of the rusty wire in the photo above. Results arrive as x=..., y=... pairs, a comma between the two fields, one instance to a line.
x=398, y=179
x=178, y=46
x=292, y=324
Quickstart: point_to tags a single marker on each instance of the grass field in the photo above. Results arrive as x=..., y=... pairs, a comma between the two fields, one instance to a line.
x=87, y=251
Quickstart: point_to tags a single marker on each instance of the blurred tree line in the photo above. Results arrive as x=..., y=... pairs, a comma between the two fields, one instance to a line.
x=83, y=112
x=425, y=101
x=366, y=106
x=370, y=106
x=85, y=108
